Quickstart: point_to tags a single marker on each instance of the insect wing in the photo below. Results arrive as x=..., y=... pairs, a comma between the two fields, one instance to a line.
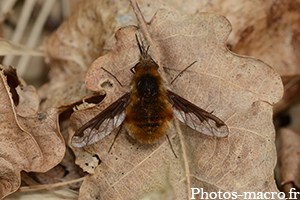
x=102, y=124
x=197, y=118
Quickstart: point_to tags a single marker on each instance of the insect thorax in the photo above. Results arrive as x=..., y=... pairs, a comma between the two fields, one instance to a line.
x=148, y=86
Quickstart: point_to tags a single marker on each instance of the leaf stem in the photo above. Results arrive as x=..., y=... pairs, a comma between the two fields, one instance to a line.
x=143, y=26
x=184, y=155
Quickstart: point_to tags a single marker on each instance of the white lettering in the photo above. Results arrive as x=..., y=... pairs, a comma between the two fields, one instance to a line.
x=204, y=193
x=225, y=195
x=260, y=195
x=265, y=195
x=215, y=195
x=250, y=196
x=234, y=195
x=281, y=195
x=193, y=192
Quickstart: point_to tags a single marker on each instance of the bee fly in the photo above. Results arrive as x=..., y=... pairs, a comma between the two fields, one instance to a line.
x=147, y=109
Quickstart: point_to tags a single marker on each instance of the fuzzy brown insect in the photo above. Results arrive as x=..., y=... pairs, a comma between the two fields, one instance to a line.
x=148, y=109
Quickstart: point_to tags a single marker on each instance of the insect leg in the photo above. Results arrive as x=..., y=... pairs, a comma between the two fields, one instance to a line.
x=115, y=139
x=112, y=76
x=171, y=146
x=182, y=72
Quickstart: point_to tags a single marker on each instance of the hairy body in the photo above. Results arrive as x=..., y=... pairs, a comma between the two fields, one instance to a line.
x=149, y=113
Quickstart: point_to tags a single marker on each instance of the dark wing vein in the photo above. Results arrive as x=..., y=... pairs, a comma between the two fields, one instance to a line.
x=197, y=118
x=102, y=124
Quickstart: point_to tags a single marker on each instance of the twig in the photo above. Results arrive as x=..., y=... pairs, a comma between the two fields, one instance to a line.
x=21, y=25
x=35, y=34
x=184, y=156
x=47, y=186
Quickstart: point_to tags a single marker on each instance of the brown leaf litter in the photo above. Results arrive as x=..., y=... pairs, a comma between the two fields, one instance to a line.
x=30, y=140
x=238, y=89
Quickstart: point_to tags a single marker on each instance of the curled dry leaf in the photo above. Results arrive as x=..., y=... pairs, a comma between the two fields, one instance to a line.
x=13, y=82
x=289, y=160
x=238, y=89
x=24, y=96
x=29, y=141
x=275, y=38
x=77, y=42
x=29, y=100
x=70, y=50
x=86, y=162
x=7, y=47
x=63, y=92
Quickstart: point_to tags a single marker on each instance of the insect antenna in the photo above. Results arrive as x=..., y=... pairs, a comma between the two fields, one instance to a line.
x=141, y=47
x=143, y=51
x=171, y=146
x=112, y=76
x=112, y=144
x=146, y=52
x=182, y=72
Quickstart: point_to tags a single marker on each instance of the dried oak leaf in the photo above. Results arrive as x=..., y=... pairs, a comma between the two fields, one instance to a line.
x=239, y=90
x=83, y=37
x=289, y=160
x=291, y=94
x=24, y=96
x=268, y=30
x=29, y=141
x=274, y=37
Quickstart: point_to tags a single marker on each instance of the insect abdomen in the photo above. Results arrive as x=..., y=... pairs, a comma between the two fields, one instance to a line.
x=149, y=114
x=148, y=126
